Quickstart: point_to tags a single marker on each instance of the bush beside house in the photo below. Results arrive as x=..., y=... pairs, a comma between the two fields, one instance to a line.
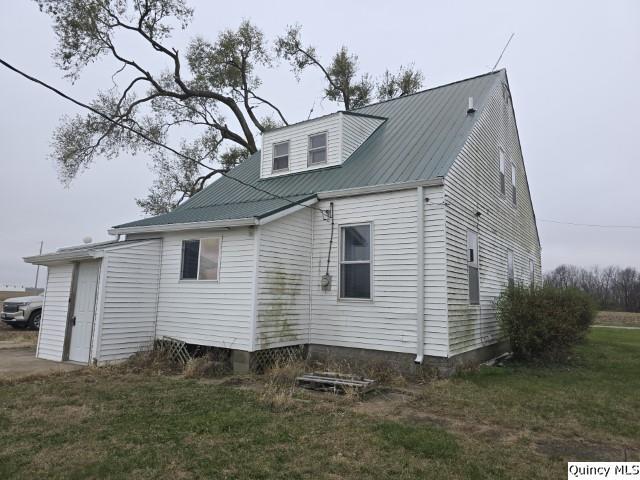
x=543, y=324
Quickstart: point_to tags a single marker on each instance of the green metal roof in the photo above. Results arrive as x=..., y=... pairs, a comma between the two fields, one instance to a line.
x=420, y=140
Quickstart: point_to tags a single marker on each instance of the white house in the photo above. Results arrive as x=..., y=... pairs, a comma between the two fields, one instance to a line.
x=386, y=232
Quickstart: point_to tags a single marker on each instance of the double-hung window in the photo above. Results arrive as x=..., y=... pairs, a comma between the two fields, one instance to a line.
x=502, y=167
x=510, y=273
x=473, y=265
x=355, y=261
x=280, y=156
x=200, y=259
x=513, y=184
x=532, y=272
x=317, y=153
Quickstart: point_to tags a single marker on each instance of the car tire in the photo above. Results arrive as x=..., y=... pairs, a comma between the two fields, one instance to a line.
x=34, y=320
x=17, y=327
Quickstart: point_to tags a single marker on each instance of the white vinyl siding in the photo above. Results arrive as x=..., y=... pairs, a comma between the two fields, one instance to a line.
x=298, y=138
x=344, y=134
x=284, y=264
x=128, y=301
x=209, y=313
x=388, y=320
x=470, y=189
x=54, y=313
x=356, y=129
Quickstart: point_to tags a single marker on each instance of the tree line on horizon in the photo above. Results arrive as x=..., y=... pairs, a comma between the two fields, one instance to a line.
x=612, y=287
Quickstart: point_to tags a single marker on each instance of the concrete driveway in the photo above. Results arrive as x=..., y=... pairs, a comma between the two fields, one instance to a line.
x=22, y=362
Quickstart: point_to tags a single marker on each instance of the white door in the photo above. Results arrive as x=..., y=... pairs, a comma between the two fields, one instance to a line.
x=83, y=311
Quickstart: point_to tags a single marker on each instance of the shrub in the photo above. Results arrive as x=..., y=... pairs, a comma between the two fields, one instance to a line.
x=543, y=324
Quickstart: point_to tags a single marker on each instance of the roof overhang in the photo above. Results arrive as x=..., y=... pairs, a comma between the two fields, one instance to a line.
x=64, y=257
x=175, y=227
x=391, y=187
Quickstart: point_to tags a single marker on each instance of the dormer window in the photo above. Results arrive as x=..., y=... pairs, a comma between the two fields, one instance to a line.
x=317, y=149
x=281, y=156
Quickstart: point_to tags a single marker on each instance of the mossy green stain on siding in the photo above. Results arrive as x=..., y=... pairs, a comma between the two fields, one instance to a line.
x=278, y=292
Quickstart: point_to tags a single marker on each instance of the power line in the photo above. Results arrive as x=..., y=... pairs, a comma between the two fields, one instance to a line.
x=149, y=139
x=502, y=53
x=592, y=225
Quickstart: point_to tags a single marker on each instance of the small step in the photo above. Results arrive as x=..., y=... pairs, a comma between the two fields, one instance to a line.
x=335, y=382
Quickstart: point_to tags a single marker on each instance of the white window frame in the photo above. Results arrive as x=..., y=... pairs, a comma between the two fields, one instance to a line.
x=197, y=279
x=511, y=268
x=502, y=168
x=273, y=157
x=532, y=272
x=325, y=148
x=475, y=263
x=514, y=181
x=341, y=262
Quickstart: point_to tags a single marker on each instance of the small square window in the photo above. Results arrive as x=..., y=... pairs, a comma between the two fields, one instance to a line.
x=280, y=156
x=317, y=149
x=200, y=259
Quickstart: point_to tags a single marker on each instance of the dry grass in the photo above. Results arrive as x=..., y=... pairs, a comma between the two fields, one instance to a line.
x=11, y=337
x=496, y=422
x=618, y=319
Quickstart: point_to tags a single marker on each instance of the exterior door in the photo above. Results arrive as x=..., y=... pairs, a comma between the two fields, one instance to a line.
x=83, y=311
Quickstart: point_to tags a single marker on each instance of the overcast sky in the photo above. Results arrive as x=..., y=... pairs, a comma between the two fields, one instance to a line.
x=574, y=71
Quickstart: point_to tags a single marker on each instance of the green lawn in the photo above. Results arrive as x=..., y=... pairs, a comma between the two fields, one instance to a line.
x=511, y=422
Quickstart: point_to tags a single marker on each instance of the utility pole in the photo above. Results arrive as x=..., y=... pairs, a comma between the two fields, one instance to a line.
x=38, y=269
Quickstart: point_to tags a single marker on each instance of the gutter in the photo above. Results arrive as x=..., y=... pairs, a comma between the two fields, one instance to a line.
x=172, y=227
x=420, y=278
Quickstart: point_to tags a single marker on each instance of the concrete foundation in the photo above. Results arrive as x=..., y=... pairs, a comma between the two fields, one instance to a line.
x=241, y=361
x=360, y=358
x=404, y=362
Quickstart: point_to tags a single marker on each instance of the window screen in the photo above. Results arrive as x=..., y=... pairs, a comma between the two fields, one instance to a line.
x=317, y=149
x=190, y=253
x=502, y=165
x=510, y=274
x=281, y=156
x=209, y=253
x=355, y=262
x=473, y=264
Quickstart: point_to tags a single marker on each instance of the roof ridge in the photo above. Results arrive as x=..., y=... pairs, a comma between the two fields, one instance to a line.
x=430, y=89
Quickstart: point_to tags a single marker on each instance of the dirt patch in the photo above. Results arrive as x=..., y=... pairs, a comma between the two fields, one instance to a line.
x=580, y=450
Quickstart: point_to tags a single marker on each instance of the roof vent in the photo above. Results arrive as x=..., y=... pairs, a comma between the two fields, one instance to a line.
x=471, y=109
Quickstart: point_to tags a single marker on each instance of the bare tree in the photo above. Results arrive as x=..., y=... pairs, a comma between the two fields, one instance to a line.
x=214, y=89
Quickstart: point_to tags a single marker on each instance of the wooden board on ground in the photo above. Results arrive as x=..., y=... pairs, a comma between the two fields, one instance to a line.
x=335, y=382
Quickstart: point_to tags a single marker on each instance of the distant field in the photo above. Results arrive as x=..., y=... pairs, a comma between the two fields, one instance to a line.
x=622, y=319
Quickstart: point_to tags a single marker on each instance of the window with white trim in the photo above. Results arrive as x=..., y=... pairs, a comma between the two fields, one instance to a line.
x=532, y=272
x=280, y=156
x=473, y=265
x=200, y=259
x=317, y=153
x=510, y=272
x=502, y=167
x=513, y=183
x=355, y=261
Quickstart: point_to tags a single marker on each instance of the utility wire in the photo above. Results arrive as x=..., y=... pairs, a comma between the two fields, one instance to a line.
x=593, y=225
x=148, y=138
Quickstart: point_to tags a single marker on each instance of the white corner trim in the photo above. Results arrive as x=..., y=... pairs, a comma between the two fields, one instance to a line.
x=254, y=291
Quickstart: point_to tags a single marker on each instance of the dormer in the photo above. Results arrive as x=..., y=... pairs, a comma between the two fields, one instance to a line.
x=315, y=144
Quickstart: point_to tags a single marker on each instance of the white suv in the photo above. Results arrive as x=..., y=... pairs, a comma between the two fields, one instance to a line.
x=21, y=312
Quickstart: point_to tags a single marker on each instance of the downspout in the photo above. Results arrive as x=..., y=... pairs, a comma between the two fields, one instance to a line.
x=420, y=278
